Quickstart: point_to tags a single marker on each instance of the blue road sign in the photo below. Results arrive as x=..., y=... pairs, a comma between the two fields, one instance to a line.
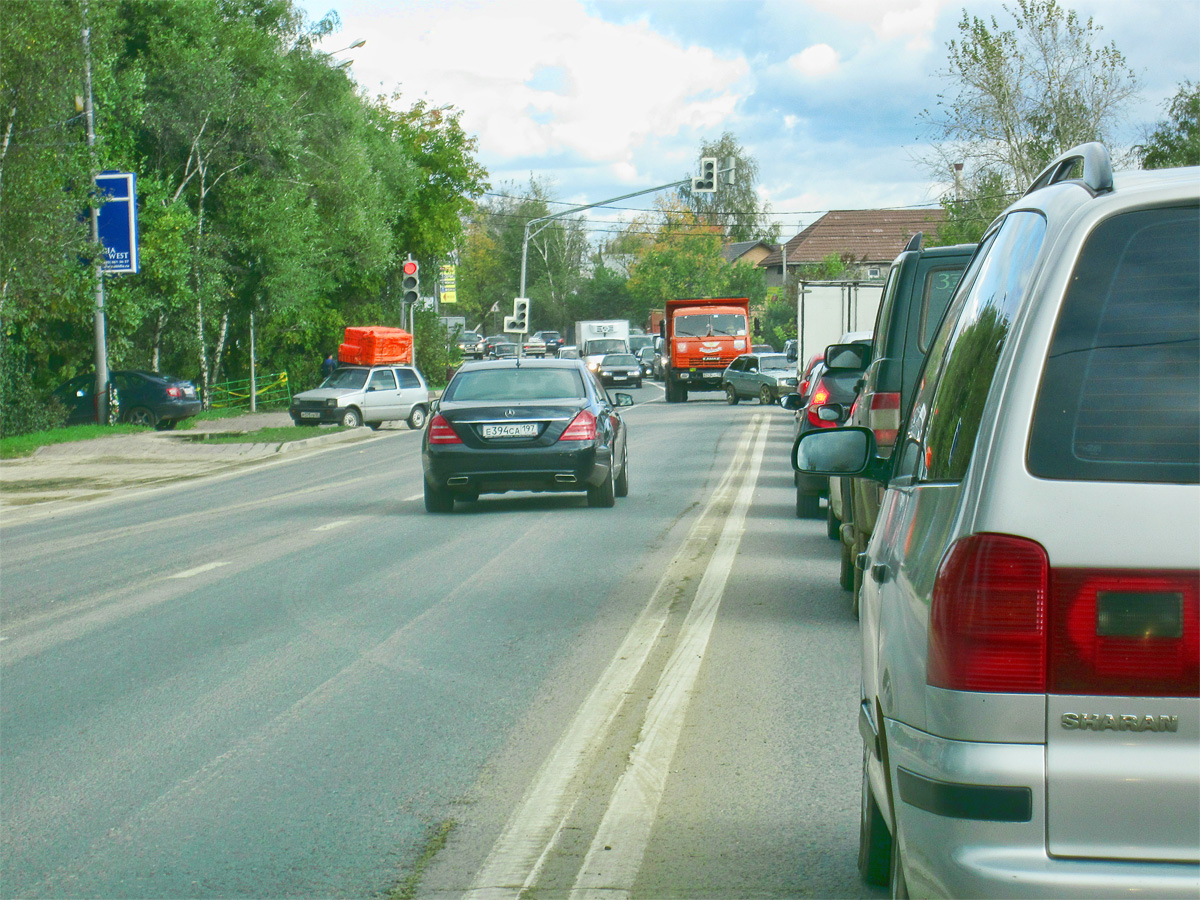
x=118, y=221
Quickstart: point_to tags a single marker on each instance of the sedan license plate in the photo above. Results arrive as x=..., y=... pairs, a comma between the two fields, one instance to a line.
x=512, y=429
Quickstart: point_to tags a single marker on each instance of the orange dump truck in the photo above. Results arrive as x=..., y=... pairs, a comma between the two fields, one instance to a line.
x=701, y=338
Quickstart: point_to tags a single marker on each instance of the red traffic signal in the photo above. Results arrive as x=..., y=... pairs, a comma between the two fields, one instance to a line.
x=410, y=281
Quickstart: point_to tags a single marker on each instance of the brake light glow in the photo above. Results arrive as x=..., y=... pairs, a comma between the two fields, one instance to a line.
x=440, y=431
x=987, y=621
x=884, y=418
x=582, y=428
x=173, y=391
x=819, y=398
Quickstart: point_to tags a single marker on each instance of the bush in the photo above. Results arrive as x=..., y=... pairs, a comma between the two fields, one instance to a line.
x=23, y=408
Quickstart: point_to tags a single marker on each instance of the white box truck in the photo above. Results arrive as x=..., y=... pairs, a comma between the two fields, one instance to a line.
x=597, y=338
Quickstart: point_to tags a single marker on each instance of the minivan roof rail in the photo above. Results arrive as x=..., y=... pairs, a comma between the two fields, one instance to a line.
x=1097, y=169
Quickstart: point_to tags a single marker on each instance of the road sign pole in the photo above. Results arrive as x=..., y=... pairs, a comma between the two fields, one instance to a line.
x=98, y=323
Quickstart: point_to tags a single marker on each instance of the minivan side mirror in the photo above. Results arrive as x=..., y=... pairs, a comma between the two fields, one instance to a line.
x=840, y=452
x=840, y=358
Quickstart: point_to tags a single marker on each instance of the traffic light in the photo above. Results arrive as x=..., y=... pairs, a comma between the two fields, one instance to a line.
x=518, y=322
x=410, y=283
x=707, y=182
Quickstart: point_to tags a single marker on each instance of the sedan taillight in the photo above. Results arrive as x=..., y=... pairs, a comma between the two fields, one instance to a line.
x=173, y=391
x=440, y=431
x=819, y=398
x=582, y=428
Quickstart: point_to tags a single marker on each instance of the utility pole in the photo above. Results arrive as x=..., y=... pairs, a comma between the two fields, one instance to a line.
x=98, y=318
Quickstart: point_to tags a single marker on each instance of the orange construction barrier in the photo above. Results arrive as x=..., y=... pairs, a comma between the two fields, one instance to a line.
x=375, y=345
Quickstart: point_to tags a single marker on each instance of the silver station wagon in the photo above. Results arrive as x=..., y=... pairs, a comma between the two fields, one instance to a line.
x=1030, y=614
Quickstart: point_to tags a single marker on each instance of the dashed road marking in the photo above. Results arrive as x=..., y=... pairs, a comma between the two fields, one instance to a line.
x=199, y=570
x=329, y=526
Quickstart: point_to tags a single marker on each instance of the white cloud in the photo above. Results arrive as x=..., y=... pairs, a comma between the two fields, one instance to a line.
x=816, y=61
x=914, y=20
x=544, y=79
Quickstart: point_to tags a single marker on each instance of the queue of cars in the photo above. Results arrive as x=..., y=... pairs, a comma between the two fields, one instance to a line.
x=1029, y=593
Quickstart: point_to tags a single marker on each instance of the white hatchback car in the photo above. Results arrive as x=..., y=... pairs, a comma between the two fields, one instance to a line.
x=365, y=395
x=1031, y=595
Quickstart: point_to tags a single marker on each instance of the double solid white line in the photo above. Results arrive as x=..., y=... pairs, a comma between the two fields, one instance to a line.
x=616, y=852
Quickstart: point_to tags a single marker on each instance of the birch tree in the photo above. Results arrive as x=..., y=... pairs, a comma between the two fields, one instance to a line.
x=1018, y=96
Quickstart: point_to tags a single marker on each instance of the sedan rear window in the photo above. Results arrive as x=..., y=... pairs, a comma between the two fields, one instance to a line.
x=516, y=384
x=1120, y=395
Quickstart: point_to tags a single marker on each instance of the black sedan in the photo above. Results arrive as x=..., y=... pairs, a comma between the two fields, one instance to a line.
x=620, y=368
x=525, y=425
x=143, y=398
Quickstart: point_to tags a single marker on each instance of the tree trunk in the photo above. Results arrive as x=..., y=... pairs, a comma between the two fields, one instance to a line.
x=198, y=283
x=219, y=350
x=160, y=324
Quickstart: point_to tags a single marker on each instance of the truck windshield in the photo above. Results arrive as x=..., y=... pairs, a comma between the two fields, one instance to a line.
x=709, y=325
x=607, y=345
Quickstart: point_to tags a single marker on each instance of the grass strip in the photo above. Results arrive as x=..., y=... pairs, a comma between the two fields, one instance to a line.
x=434, y=842
x=25, y=444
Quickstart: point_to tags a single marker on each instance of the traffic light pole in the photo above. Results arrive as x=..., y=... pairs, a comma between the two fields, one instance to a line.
x=545, y=221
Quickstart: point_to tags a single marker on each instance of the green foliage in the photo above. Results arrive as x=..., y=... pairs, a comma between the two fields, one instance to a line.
x=23, y=408
x=735, y=209
x=1176, y=142
x=683, y=259
x=1020, y=96
x=778, y=322
x=269, y=187
x=435, y=354
x=967, y=219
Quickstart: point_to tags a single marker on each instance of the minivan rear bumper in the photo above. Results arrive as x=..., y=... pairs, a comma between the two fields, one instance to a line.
x=956, y=805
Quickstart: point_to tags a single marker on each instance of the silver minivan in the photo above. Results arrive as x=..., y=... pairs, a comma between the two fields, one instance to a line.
x=1030, y=612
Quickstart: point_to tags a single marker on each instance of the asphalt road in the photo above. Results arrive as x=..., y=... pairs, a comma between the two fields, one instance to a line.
x=286, y=682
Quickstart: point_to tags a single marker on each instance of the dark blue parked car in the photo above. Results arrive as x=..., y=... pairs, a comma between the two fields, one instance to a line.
x=144, y=398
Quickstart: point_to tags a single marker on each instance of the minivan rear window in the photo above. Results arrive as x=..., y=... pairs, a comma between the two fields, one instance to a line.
x=1120, y=394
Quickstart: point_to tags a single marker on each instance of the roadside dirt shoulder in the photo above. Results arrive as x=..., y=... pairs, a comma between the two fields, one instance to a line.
x=68, y=474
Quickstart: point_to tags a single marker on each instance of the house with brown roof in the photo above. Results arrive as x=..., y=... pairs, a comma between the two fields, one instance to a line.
x=870, y=238
x=746, y=253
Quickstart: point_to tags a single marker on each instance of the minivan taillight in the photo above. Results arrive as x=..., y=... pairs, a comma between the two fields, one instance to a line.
x=987, y=621
x=582, y=428
x=1002, y=620
x=1125, y=633
x=883, y=418
x=440, y=431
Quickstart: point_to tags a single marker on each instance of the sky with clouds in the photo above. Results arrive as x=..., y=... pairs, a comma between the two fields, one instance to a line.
x=600, y=98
